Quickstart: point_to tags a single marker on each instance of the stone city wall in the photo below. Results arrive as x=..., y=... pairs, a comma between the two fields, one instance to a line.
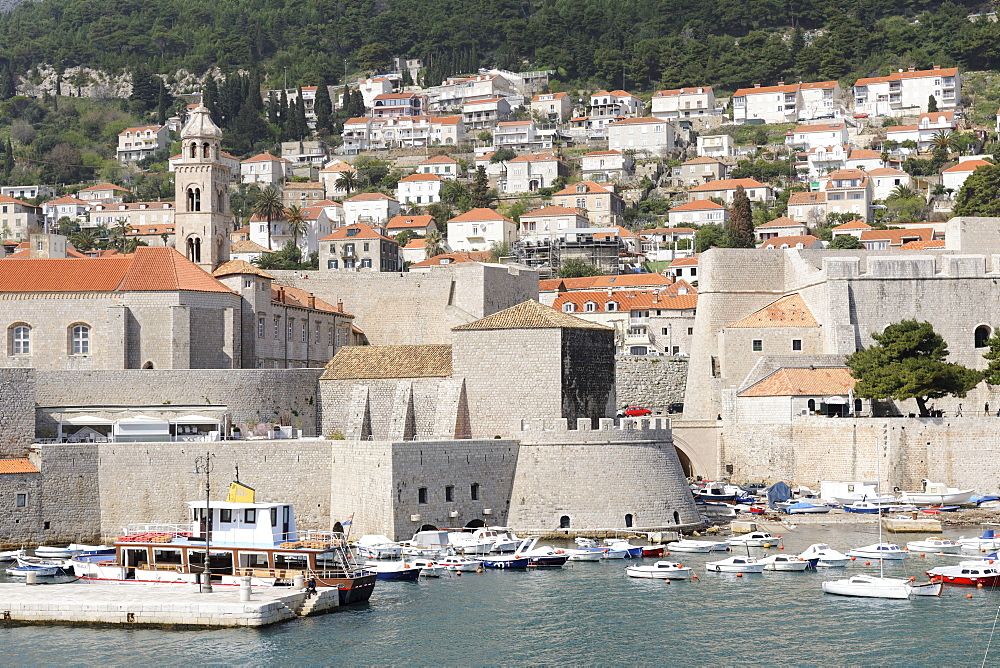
x=419, y=307
x=651, y=382
x=249, y=394
x=957, y=451
x=17, y=411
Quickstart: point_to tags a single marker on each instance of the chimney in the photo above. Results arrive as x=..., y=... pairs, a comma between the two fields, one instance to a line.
x=656, y=296
x=937, y=67
x=340, y=305
x=312, y=301
x=281, y=294
x=911, y=69
x=756, y=85
x=781, y=83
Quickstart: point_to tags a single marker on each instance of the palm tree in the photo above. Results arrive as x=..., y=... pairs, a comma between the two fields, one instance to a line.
x=901, y=192
x=435, y=244
x=942, y=139
x=348, y=181
x=83, y=240
x=120, y=231
x=269, y=206
x=296, y=221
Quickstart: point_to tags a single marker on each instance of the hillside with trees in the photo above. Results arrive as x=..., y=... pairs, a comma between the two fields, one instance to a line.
x=620, y=43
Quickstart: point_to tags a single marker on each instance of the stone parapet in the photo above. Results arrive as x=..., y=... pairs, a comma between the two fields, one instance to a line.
x=557, y=430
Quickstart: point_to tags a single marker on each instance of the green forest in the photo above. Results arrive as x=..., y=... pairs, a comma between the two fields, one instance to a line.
x=638, y=45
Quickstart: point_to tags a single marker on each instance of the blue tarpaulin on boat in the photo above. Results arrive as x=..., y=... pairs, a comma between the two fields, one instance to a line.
x=779, y=491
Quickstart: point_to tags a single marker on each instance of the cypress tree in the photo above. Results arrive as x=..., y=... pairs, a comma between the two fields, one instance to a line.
x=283, y=110
x=301, y=126
x=210, y=98
x=272, y=109
x=322, y=107
x=8, y=159
x=739, y=228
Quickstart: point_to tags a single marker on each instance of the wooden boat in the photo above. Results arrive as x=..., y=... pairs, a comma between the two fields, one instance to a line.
x=22, y=571
x=661, y=570
x=937, y=494
x=256, y=540
x=967, y=573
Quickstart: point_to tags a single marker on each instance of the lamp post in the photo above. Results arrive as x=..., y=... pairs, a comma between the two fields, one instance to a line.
x=203, y=464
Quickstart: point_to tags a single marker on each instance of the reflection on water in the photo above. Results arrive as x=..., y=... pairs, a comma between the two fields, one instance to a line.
x=583, y=613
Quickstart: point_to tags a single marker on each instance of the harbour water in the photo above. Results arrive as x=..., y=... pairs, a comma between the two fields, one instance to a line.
x=584, y=613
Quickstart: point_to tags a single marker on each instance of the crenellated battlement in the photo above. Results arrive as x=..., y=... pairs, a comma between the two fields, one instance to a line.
x=558, y=430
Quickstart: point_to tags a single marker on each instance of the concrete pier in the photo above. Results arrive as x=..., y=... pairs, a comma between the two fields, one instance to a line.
x=158, y=605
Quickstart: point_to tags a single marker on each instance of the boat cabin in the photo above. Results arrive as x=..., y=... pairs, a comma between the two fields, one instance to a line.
x=264, y=524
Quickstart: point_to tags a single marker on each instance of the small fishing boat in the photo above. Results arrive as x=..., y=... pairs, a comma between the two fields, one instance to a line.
x=542, y=556
x=784, y=562
x=987, y=542
x=967, y=573
x=612, y=553
x=53, y=552
x=735, y=565
x=661, y=570
x=43, y=562
x=804, y=507
x=938, y=494
x=632, y=551
x=11, y=555
x=89, y=565
x=687, y=545
x=377, y=546
x=755, y=539
x=937, y=510
x=824, y=556
x=454, y=563
x=889, y=551
x=393, y=570
x=509, y=561
x=870, y=497
x=865, y=508
x=78, y=549
x=869, y=586
x=717, y=491
x=583, y=555
x=22, y=571
x=940, y=545
x=652, y=550
x=428, y=569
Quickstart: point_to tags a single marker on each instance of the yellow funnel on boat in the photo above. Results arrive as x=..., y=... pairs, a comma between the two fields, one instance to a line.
x=239, y=493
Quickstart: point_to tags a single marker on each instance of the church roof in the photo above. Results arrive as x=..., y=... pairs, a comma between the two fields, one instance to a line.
x=529, y=315
x=357, y=362
x=789, y=311
x=149, y=269
x=201, y=125
x=813, y=382
x=241, y=267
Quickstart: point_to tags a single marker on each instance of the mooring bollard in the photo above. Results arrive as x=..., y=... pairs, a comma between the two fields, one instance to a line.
x=31, y=578
x=245, y=588
x=299, y=581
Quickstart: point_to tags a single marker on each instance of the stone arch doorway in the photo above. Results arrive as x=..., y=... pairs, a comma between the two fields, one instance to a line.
x=685, y=462
x=427, y=527
x=147, y=365
x=475, y=524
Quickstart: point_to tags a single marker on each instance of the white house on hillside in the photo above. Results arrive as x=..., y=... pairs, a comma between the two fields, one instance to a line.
x=479, y=229
x=646, y=135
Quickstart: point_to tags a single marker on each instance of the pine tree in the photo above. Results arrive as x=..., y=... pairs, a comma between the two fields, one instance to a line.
x=739, y=228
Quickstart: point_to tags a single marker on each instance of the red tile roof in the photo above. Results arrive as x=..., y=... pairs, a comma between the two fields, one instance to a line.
x=864, y=154
x=362, y=231
x=453, y=258
x=782, y=222
x=898, y=76
x=822, y=127
x=921, y=245
x=728, y=184
x=685, y=262
x=811, y=382
x=554, y=211
x=289, y=296
x=698, y=205
x=968, y=166
x=665, y=284
x=854, y=225
x=104, y=186
x=789, y=311
x=149, y=269
x=438, y=159
x=743, y=92
x=624, y=300
x=369, y=197
x=534, y=157
x=476, y=215
x=421, y=177
x=806, y=198
x=807, y=241
x=17, y=466
x=683, y=91
x=895, y=237
x=262, y=157
x=408, y=222
x=591, y=188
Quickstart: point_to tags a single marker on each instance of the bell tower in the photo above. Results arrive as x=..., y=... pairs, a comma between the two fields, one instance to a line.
x=201, y=194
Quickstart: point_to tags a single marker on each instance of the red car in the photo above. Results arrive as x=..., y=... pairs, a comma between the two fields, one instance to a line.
x=637, y=411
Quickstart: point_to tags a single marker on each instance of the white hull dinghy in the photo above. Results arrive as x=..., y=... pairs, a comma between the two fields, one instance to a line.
x=661, y=570
x=11, y=555
x=703, y=546
x=985, y=543
x=463, y=564
x=376, y=546
x=735, y=565
x=47, y=552
x=428, y=569
x=583, y=555
x=868, y=586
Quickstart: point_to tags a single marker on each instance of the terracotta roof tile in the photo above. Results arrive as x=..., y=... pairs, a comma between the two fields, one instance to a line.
x=364, y=362
x=624, y=300
x=475, y=215
x=806, y=198
x=17, y=466
x=854, y=225
x=968, y=166
x=776, y=243
x=159, y=269
x=921, y=245
x=103, y=186
x=782, y=222
x=421, y=177
x=438, y=159
x=822, y=127
x=369, y=197
x=554, y=211
x=529, y=315
x=896, y=237
x=289, y=296
x=361, y=231
x=789, y=311
x=591, y=188
x=622, y=282
x=699, y=205
x=409, y=222
x=727, y=184
x=240, y=267
x=445, y=259
x=811, y=382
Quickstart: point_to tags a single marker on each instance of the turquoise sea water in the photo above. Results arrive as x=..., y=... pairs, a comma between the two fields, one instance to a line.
x=584, y=613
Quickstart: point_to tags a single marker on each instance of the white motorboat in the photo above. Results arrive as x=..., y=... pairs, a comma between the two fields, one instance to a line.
x=505, y=540
x=455, y=563
x=735, y=565
x=826, y=558
x=612, y=553
x=465, y=543
x=880, y=551
x=937, y=494
x=869, y=497
x=715, y=509
x=661, y=570
x=869, y=586
x=79, y=548
x=755, y=539
x=22, y=571
x=784, y=562
x=985, y=543
x=622, y=544
x=942, y=545
x=11, y=555
x=866, y=508
x=687, y=545
x=393, y=570
x=428, y=568
x=806, y=508
x=42, y=562
x=377, y=546
x=583, y=555
x=48, y=552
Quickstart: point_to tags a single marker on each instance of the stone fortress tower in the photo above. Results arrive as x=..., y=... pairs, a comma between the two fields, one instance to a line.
x=201, y=191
